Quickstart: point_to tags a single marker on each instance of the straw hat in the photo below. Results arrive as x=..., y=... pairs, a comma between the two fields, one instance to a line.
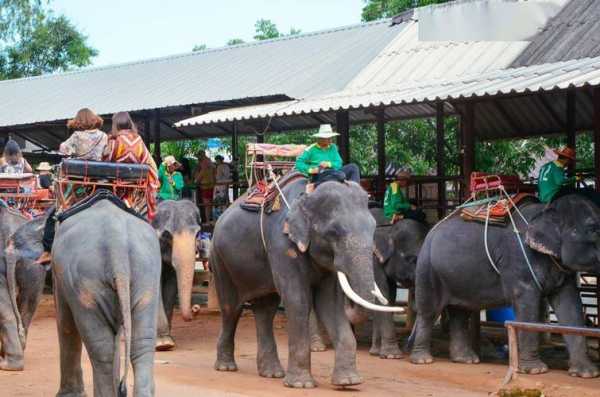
x=566, y=152
x=44, y=166
x=403, y=173
x=169, y=161
x=325, y=131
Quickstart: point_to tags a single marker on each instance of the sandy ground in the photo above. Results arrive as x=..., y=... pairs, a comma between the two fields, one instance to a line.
x=188, y=370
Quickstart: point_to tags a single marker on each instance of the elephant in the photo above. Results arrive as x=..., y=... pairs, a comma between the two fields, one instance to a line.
x=297, y=255
x=397, y=247
x=454, y=272
x=21, y=284
x=177, y=224
x=106, y=276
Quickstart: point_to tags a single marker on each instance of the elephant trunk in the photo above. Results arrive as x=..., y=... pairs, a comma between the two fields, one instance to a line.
x=11, y=279
x=184, y=260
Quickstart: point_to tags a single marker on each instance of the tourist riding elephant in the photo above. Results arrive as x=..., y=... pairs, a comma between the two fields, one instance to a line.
x=297, y=255
x=21, y=284
x=106, y=274
x=397, y=247
x=454, y=272
x=177, y=224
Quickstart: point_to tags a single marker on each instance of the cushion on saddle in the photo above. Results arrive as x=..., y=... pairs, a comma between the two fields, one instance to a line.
x=498, y=212
x=101, y=194
x=267, y=195
x=98, y=169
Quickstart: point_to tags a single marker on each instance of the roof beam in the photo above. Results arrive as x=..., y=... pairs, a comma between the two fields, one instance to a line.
x=511, y=122
x=168, y=125
x=35, y=142
x=555, y=117
x=52, y=134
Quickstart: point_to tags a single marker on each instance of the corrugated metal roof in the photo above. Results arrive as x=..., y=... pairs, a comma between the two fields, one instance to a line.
x=295, y=66
x=548, y=77
x=573, y=33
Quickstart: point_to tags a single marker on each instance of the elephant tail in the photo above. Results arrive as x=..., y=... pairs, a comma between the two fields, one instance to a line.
x=11, y=280
x=124, y=296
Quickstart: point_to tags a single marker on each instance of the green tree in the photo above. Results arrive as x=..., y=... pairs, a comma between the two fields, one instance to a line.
x=199, y=47
x=377, y=9
x=266, y=29
x=33, y=40
x=235, y=42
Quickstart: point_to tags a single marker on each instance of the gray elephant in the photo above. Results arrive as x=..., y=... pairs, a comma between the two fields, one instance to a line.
x=21, y=284
x=296, y=255
x=106, y=275
x=397, y=247
x=454, y=272
x=177, y=224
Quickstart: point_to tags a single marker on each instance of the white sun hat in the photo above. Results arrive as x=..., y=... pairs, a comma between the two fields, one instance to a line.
x=325, y=131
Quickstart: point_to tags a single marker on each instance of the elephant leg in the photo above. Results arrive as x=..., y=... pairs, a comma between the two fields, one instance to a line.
x=567, y=307
x=231, y=309
x=30, y=294
x=460, y=348
x=12, y=359
x=143, y=341
x=168, y=297
x=421, y=351
x=329, y=304
x=69, y=341
x=318, y=342
x=376, y=334
x=527, y=309
x=267, y=359
x=389, y=348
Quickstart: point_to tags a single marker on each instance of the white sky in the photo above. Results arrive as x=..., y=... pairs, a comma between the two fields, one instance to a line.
x=130, y=30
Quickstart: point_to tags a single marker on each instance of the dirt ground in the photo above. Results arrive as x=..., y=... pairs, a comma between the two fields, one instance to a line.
x=188, y=370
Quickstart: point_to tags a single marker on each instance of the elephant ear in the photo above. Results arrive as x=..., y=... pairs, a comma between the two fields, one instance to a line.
x=383, y=248
x=543, y=233
x=297, y=225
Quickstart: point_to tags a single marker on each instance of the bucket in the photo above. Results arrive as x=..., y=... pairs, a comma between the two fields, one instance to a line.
x=500, y=315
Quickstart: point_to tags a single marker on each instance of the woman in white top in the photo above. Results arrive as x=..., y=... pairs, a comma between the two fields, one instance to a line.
x=13, y=161
x=88, y=141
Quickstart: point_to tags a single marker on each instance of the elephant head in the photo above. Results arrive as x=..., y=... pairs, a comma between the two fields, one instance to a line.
x=177, y=224
x=334, y=227
x=569, y=230
x=397, y=247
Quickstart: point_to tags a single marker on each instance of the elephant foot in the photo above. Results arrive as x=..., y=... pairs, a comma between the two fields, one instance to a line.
x=345, y=378
x=272, y=370
x=584, y=370
x=71, y=394
x=422, y=357
x=303, y=381
x=222, y=365
x=165, y=343
x=391, y=352
x=532, y=367
x=317, y=346
x=467, y=356
x=11, y=365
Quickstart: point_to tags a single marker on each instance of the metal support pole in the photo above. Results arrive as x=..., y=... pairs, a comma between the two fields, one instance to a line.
x=157, y=154
x=146, y=134
x=468, y=148
x=571, y=126
x=380, y=153
x=343, y=128
x=440, y=158
x=235, y=157
x=596, y=98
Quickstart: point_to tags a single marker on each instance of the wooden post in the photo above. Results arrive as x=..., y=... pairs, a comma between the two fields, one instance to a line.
x=440, y=158
x=157, y=154
x=380, y=153
x=235, y=157
x=475, y=331
x=342, y=118
x=513, y=354
x=260, y=138
x=596, y=118
x=571, y=126
x=468, y=139
x=146, y=134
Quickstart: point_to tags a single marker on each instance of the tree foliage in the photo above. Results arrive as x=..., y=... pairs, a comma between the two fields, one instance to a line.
x=377, y=9
x=235, y=42
x=199, y=47
x=33, y=40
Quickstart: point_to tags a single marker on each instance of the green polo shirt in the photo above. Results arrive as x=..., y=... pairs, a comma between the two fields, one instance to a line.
x=169, y=189
x=552, y=178
x=394, y=201
x=308, y=162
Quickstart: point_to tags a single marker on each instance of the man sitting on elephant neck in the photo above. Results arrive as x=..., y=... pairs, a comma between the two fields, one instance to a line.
x=324, y=155
x=396, y=205
x=552, y=176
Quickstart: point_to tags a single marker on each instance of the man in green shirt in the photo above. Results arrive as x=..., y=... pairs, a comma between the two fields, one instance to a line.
x=324, y=155
x=552, y=176
x=395, y=204
x=171, y=180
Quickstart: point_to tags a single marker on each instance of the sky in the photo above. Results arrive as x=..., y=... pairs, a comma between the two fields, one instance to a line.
x=131, y=30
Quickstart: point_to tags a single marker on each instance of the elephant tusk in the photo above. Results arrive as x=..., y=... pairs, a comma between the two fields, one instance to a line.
x=353, y=296
x=377, y=293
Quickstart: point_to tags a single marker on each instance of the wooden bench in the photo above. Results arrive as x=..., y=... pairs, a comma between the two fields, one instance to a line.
x=513, y=345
